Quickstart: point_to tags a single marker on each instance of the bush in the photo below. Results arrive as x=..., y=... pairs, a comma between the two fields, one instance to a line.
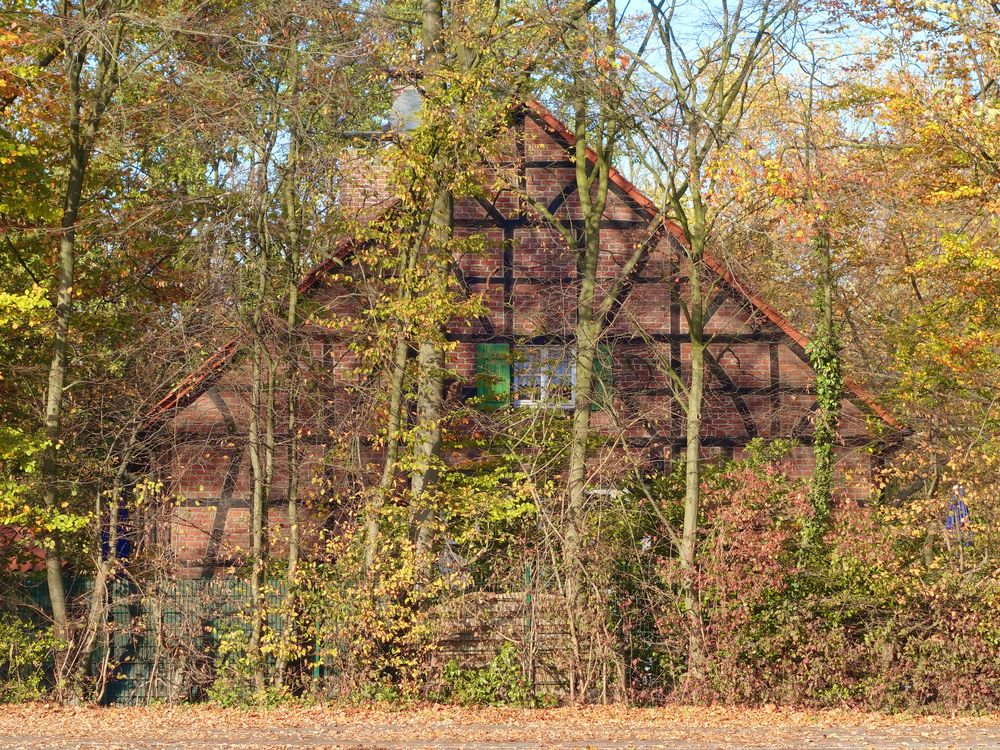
x=374, y=636
x=875, y=620
x=234, y=685
x=25, y=659
x=499, y=683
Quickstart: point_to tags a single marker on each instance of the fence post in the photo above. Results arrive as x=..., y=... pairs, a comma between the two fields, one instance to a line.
x=529, y=630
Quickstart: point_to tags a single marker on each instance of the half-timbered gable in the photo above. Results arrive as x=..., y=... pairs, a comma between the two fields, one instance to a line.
x=758, y=381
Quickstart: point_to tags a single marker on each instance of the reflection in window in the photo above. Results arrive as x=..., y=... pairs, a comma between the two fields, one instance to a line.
x=544, y=375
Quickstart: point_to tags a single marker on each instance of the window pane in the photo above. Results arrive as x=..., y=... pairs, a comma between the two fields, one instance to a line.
x=560, y=382
x=528, y=374
x=544, y=374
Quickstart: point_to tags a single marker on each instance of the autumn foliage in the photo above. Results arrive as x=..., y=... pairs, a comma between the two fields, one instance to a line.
x=172, y=173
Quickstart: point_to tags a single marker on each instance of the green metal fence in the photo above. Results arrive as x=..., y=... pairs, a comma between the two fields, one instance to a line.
x=161, y=640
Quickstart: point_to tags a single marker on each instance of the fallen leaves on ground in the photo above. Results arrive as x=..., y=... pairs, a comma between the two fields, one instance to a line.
x=429, y=726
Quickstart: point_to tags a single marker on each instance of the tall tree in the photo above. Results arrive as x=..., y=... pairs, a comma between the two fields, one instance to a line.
x=430, y=355
x=588, y=65
x=474, y=62
x=694, y=109
x=96, y=38
x=824, y=347
x=112, y=200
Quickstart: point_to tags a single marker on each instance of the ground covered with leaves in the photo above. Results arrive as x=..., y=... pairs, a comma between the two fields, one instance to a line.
x=37, y=726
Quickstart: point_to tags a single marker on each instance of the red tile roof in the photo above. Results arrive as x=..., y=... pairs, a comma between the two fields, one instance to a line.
x=21, y=552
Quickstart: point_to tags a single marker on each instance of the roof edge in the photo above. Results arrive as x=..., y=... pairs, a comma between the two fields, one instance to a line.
x=557, y=127
x=190, y=386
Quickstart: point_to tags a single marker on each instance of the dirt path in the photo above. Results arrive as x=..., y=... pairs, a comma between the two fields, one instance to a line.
x=43, y=727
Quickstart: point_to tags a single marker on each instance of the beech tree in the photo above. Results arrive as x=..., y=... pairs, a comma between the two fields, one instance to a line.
x=474, y=64
x=99, y=49
x=100, y=39
x=595, y=78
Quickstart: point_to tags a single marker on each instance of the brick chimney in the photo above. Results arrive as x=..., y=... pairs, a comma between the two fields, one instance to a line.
x=364, y=185
x=365, y=189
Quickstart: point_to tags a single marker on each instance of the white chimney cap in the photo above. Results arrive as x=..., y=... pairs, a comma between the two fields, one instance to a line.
x=404, y=115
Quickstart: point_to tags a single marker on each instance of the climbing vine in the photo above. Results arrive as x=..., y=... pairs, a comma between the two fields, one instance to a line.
x=824, y=356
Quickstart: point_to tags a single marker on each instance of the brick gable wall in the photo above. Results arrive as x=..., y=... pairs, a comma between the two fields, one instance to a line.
x=758, y=384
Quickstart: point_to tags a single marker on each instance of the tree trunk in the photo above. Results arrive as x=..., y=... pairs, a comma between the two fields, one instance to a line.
x=430, y=354
x=391, y=458
x=85, y=118
x=258, y=505
x=291, y=568
x=587, y=332
x=53, y=406
x=80, y=139
x=105, y=569
x=692, y=466
x=823, y=350
x=261, y=447
x=575, y=528
x=430, y=396
x=397, y=379
x=292, y=206
x=824, y=357
x=427, y=447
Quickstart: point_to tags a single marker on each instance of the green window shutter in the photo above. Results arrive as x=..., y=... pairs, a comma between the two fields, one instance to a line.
x=493, y=375
x=602, y=378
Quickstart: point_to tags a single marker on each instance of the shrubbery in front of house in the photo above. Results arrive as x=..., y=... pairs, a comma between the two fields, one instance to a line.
x=25, y=659
x=876, y=619
x=892, y=611
x=499, y=683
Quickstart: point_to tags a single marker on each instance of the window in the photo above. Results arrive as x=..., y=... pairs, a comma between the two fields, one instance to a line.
x=531, y=375
x=544, y=375
x=123, y=536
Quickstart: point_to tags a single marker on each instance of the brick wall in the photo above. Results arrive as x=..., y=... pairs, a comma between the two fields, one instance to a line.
x=758, y=383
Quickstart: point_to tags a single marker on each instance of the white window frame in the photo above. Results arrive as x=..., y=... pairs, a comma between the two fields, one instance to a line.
x=546, y=353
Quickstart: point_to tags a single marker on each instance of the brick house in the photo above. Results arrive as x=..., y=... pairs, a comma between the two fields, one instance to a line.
x=758, y=381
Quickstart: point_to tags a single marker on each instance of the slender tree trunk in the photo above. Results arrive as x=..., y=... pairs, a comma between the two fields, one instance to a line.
x=697, y=235
x=575, y=528
x=430, y=396
x=430, y=355
x=261, y=441
x=293, y=220
x=85, y=113
x=427, y=447
x=258, y=504
x=824, y=357
x=292, y=205
x=391, y=458
x=106, y=567
x=397, y=380
x=692, y=466
x=823, y=350
x=53, y=403
x=262, y=464
x=80, y=138
x=575, y=525
x=292, y=564
x=587, y=333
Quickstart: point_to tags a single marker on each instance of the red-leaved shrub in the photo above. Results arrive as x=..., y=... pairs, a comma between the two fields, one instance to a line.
x=879, y=618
